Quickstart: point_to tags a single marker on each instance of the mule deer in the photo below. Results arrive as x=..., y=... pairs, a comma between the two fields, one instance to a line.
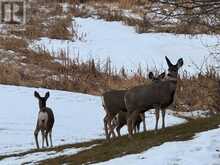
x=45, y=120
x=121, y=117
x=113, y=103
x=157, y=95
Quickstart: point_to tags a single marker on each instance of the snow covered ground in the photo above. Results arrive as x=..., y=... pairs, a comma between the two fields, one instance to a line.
x=127, y=48
x=204, y=149
x=78, y=117
x=33, y=158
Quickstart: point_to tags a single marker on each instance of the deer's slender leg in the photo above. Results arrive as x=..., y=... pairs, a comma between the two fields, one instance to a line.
x=163, y=117
x=118, y=128
x=36, y=137
x=135, y=116
x=157, y=113
x=129, y=124
x=50, y=135
x=116, y=125
x=144, y=123
x=138, y=127
x=135, y=129
x=134, y=121
x=111, y=129
x=46, y=137
x=106, y=126
x=43, y=136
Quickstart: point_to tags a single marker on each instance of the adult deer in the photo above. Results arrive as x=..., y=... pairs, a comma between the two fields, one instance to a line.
x=158, y=95
x=113, y=103
x=45, y=120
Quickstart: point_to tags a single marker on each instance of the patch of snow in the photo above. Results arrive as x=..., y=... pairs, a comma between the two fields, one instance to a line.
x=130, y=14
x=195, y=114
x=3, y=29
x=40, y=156
x=204, y=149
x=127, y=48
x=65, y=7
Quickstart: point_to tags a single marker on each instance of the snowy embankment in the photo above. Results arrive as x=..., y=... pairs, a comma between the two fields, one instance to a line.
x=78, y=118
x=204, y=149
x=127, y=48
x=33, y=158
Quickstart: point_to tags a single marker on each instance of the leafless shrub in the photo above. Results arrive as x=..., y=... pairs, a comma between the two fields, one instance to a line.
x=199, y=92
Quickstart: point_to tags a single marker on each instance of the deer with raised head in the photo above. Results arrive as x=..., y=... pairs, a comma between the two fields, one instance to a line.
x=113, y=103
x=45, y=120
x=158, y=95
x=122, y=116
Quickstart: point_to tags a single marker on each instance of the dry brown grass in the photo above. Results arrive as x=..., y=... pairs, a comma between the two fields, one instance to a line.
x=61, y=28
x=12, y=43
x=9, y=74
x=200, y=92
x=43, y=69
x=33, y=29
x=127, y=3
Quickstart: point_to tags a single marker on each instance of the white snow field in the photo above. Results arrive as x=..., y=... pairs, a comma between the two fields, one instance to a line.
x=127, y=48
x=204, y=149
x=78, y=117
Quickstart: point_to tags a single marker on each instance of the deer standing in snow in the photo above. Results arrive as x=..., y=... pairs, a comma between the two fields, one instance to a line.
x=158, y=95
x=45, y=120
x=113, y=103
x=122, y=117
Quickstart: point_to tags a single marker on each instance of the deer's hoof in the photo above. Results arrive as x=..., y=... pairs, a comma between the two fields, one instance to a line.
x=130, y=137
x=108, y=139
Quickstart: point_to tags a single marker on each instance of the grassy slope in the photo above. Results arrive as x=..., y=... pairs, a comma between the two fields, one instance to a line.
x=141, y=142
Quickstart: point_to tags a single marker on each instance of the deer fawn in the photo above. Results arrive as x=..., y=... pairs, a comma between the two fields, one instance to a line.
x=45, y=120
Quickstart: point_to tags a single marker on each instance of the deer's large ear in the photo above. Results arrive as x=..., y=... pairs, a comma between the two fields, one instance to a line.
x=180, y=63
x=47, y=95
x=151, y=75
x=168, y=62
x=36, y=94
x=162, y=75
